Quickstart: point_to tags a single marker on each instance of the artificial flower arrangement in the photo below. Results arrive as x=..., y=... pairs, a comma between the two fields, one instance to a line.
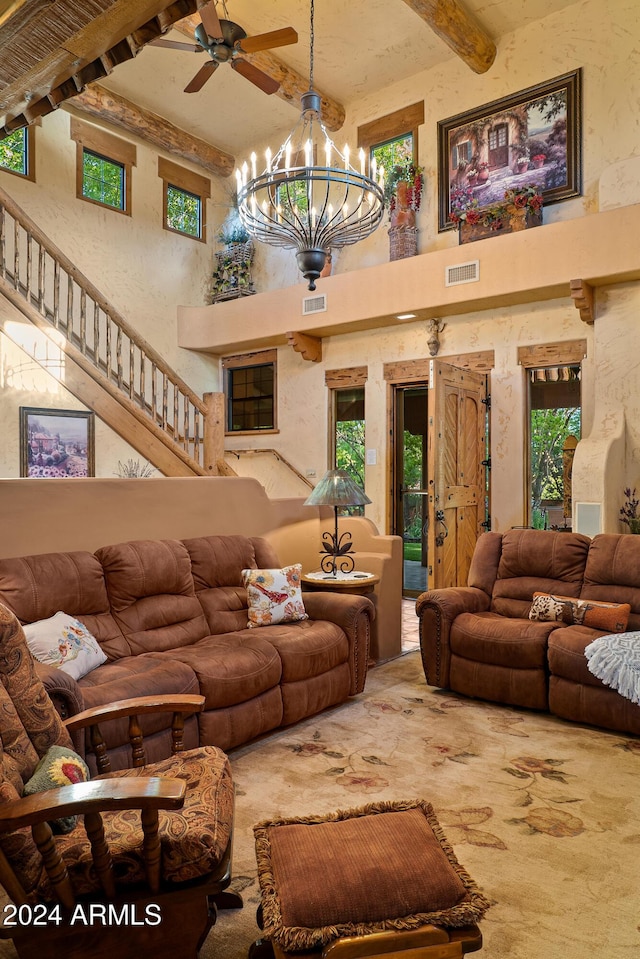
x=464, y=206
x=412, y=175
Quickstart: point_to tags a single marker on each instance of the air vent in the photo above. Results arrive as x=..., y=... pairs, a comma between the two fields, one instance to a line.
x=314, y=304
x=462, y=273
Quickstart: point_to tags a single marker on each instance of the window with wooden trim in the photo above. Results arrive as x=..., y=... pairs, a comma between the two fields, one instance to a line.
x=554, y=414
x=103, y=180
x=393, y=139
x=184, y=200
x=250, y=390
x=347, y=439
x=103, y=167
x=18, y=153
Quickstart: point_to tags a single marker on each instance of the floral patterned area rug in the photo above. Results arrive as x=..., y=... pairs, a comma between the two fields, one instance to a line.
x=544, y=814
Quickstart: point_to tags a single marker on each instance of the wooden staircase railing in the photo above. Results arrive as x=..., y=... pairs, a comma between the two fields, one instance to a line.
x=50, y=291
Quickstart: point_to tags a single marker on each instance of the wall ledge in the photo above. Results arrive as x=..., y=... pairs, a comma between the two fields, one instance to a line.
x=518, y=268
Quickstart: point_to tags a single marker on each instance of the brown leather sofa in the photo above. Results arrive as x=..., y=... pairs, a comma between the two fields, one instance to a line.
x=171, y=616
x=478, y=640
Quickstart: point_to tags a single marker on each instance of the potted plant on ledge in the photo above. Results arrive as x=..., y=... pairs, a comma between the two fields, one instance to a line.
x=520, y=209
x=232, y=274
x=403, y=196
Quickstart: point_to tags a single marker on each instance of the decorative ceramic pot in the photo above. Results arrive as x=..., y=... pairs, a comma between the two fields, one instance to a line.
x=402, y=214
x=517, y=219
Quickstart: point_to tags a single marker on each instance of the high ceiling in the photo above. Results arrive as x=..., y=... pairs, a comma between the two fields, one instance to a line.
x=361, y=46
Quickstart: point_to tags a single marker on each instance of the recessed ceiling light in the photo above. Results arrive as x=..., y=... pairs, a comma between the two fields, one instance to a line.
x=405, y=316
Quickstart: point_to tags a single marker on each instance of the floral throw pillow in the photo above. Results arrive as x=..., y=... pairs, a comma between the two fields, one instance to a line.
x=66, y=643
x=274, y=595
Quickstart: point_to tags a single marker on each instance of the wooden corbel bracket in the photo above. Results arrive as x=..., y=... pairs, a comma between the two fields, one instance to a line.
x=583, y=298
x=309, y=346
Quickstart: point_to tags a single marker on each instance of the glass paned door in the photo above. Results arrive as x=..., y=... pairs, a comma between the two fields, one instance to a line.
x=411, y=505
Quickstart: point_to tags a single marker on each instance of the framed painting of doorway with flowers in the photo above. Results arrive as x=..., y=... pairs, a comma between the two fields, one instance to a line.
x=56, y=444
x=531, y=138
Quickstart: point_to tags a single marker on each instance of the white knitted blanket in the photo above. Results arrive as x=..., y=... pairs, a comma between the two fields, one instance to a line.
x=615, y=660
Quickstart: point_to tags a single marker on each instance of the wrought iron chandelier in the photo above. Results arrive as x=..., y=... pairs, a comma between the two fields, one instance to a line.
x=297, y=204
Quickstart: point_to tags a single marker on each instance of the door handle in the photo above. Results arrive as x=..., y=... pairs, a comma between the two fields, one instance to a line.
x=440, y=538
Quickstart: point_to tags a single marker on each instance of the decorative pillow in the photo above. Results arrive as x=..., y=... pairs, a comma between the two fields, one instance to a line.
x=58, y=767
x=384, y=866
x=580, y=612
x=64, y=642
x=274, y=595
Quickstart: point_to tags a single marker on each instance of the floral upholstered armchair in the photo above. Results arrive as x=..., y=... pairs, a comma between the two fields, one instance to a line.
x=129, y=863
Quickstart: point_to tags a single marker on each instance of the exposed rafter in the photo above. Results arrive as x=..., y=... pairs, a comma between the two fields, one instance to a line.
x=40, y=75
x=292, y=84
x=101, y=103
x=459, y=30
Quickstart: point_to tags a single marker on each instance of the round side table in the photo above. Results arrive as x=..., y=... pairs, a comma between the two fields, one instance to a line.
x=357, y=582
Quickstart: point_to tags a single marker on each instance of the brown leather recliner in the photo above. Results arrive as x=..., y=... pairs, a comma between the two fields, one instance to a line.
x=478, y=639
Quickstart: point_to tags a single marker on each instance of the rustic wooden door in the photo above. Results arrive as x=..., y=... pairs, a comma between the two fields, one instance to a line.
x=457, y=458
x=499, y=146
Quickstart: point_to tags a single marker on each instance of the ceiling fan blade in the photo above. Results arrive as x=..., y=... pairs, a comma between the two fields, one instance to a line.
x=201, y=77
x=210, y=21
x=266, y=41
x=175, y=45
x=249, y=72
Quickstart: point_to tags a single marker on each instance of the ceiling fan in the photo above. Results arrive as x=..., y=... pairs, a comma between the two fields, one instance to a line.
x=225, y=42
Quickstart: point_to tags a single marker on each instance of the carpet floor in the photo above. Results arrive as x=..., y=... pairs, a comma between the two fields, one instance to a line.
x=544, y=814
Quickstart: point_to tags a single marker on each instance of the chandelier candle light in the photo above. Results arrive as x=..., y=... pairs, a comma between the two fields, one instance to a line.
x=297, y=204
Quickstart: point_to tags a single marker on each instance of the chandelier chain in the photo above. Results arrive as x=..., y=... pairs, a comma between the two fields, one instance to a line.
x=302, y=203
x=311, y=39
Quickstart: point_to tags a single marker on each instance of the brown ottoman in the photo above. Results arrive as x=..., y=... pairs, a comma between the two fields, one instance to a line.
x=382, y=873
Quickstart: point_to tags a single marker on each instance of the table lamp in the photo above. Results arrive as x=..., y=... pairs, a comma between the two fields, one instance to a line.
x=336, y=488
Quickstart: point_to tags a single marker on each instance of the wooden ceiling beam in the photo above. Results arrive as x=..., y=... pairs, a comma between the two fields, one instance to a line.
x=114, y=109
x=89, y=51
x=459, y=30
x=292, y=84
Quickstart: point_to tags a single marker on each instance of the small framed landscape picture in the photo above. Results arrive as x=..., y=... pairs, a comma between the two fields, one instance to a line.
x=56, y=444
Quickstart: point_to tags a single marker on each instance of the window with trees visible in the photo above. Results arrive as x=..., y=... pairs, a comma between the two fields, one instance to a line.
x=554, y=429
x=17, y=153
x=184, y=199
x=104, y=165
x=392, y=140
x=184, y=212
x=103, y=180
x=393, y=153
x=250, y=388
x=347, y=447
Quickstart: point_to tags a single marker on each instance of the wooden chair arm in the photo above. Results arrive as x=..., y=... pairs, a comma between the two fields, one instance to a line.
x=99, y=795
x=180, y=705
x=90, y=800
x=185, y=704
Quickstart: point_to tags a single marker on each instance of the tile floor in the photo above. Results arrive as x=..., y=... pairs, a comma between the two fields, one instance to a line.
x=410, y=638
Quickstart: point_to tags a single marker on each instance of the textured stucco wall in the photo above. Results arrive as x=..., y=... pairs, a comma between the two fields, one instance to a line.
x=147, y=272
